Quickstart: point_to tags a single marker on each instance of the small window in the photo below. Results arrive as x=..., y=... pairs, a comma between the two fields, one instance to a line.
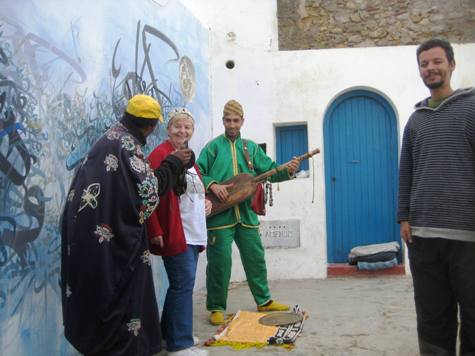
x=291, y=141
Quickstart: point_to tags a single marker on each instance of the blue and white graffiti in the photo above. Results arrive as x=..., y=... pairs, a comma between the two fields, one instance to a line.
x=65, y=77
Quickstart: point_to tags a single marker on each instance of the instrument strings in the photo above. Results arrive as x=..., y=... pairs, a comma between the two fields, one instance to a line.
x=313, y=180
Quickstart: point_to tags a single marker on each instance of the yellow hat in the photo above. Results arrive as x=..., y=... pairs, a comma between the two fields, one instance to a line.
x=145, y=107
x=232, y=107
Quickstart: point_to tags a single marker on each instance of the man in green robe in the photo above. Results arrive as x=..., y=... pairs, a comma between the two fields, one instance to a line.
x=221, y=159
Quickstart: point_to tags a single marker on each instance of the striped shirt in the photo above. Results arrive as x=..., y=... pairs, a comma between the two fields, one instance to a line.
x=437, y=169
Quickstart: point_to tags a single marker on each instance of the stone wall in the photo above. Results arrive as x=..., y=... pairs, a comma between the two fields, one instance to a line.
x=311, y=24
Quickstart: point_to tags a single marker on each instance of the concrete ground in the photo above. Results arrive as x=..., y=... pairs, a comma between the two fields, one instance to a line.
x=372, y=316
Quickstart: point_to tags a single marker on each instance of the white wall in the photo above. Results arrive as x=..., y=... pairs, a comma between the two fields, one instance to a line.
x=298, y=86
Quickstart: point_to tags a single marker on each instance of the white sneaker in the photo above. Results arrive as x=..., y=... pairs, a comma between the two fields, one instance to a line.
x=196, y=342
x=192, y=351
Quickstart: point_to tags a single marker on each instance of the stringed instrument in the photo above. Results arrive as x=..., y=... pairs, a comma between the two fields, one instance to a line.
x=244, y=186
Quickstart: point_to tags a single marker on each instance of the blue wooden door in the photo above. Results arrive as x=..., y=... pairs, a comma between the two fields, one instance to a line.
x=361, y=173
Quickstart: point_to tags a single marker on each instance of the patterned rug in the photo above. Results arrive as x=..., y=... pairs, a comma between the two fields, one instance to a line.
x=243, y=330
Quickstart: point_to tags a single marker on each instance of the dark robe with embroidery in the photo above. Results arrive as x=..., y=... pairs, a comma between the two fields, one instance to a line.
x=109, y=305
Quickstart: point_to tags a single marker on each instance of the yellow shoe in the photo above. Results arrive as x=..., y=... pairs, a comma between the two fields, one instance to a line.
x=216, y=318
x=273, y=306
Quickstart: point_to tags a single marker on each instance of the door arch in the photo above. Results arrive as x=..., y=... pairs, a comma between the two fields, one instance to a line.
x=361, y=172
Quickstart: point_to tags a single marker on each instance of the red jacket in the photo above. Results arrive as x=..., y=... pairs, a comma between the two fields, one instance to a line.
x=166, y=218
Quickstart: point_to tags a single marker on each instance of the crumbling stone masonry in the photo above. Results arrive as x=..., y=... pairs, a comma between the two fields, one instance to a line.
x=311, y=24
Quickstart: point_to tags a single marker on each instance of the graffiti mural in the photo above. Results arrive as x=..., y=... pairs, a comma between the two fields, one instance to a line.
x=66, y=72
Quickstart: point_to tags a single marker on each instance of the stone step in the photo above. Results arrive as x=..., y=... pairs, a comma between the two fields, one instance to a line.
x=346, y=270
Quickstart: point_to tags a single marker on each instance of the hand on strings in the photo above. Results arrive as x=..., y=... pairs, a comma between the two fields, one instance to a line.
x=221, y=190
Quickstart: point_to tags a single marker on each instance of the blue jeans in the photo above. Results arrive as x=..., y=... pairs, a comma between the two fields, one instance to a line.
x=177, y=318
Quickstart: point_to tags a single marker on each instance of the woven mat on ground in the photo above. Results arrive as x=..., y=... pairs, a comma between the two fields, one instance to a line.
x=244, y=331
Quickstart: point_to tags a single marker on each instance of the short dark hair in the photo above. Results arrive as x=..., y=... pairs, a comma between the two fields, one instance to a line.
x=138, y=122
x=436, y=42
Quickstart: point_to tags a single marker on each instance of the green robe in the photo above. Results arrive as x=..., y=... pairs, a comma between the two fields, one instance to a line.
x=220, y=160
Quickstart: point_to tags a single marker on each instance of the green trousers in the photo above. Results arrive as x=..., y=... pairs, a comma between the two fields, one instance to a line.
x=218, y=270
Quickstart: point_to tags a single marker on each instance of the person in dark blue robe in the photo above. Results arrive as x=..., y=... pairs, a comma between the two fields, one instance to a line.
x=108, y=298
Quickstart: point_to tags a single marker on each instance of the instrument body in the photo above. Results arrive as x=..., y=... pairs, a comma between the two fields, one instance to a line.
x=244, y=186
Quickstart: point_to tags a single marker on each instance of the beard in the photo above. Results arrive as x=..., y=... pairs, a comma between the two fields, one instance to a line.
x=434, y=85
x=231, y=133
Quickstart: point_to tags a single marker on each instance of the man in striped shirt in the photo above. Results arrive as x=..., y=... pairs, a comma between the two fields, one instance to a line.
x=437, y=205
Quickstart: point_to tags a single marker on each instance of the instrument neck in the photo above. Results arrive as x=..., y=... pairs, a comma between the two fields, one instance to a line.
x=263, y=177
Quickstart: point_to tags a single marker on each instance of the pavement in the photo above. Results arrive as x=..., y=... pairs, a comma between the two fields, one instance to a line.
x=370, y=316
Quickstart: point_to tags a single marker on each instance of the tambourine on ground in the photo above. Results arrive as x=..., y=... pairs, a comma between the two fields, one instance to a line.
x=280, y=318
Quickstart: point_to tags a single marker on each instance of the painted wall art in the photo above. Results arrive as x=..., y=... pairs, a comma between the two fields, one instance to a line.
x=67, y=69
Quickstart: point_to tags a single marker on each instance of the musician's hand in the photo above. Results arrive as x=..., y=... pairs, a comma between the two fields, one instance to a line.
x=220, y=190
x=208, y=206
x=157, y=240
x=293, y=165
x=184, y=155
